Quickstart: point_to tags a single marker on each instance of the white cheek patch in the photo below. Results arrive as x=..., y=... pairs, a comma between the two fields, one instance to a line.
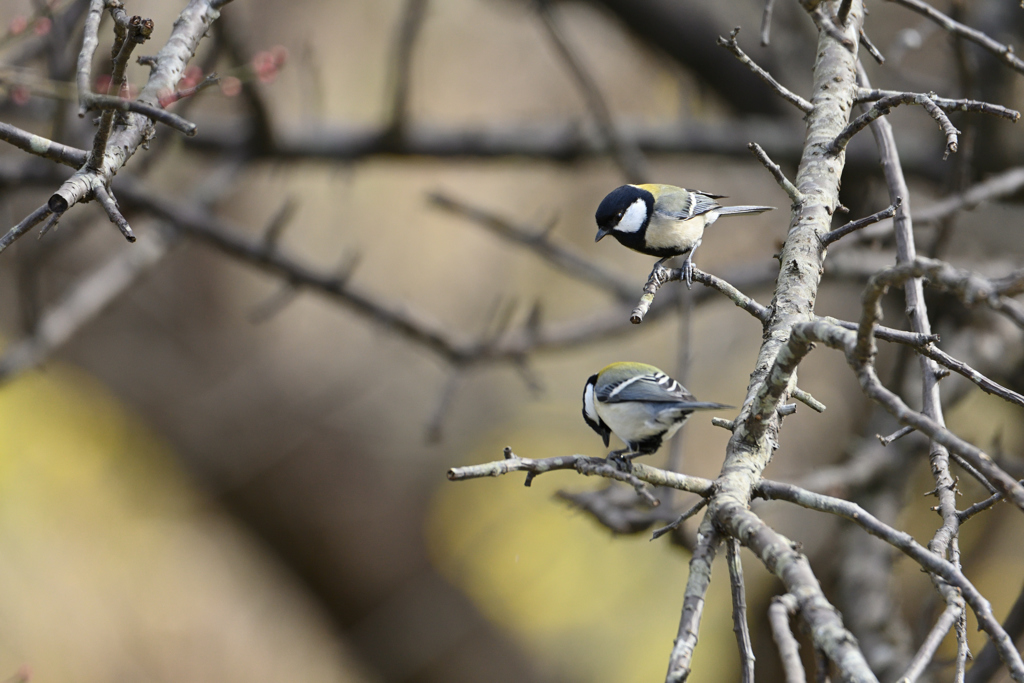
x=634, y=217
x=588, y=403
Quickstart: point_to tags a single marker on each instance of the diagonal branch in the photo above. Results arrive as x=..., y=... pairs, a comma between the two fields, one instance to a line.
x=627, y=154
x=785, y=93
x=1004, y=52
x=565, y=259
x=906, y=543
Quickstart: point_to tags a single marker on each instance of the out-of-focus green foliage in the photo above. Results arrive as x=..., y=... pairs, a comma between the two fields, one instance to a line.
x=112, y=567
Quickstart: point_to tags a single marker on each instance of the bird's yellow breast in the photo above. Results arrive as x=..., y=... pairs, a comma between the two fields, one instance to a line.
x=671, y=233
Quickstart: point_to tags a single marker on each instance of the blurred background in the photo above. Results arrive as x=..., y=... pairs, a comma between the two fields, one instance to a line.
x=213, y=475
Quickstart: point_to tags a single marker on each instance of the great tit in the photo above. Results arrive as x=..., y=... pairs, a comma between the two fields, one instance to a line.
x=663, y=220
x=640, y=404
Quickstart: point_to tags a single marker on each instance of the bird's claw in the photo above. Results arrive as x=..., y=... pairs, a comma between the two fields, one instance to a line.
x=688, y=273
x=620, y=463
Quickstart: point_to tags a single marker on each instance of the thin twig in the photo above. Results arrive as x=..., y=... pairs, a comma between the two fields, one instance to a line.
x=109, y=204
x=785, y=93
x=931, y=643
x=30, y=221
x=1004, y=52
x=90, y=41
x=898, y=434
x=883, y=106
x=966, y=105
x=739, y=610
x=766, y=22
x=870, y=47
x=137, y=32
x=597, y=466
x=627, y=154
x=690, y=512
x=981, y=381
x=567, y=261
x=853, y=226
x=808, y=400
x=413, y=14
x=788, y=187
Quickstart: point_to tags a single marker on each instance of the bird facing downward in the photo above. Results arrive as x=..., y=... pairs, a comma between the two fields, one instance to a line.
x=640, y=404
x=663, y=220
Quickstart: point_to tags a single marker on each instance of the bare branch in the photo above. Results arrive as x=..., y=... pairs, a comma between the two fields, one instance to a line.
x=733, y=46
x=779, y=612
x=30, y=221
x=808, y=400
x=853, y=226
x=739, y=610
x=766, y=22
x=83, y=303
x=40, y=146
x=136, y=31
x=125, y=139
x=585, y=465
x=773, y=168
x=965, y=370
x=697, y=584
x=931, y=643
x=413, y=15
x=660, y=275
x=109, y=204
x=870, y=47
x=90, y=41
x=874, y=94
x=628, y=156
x=687, y=514
x=906, y=543
x=566, y=260
x=1004, y=52
x=883, y=106
x=898, y=434
x=986, y=664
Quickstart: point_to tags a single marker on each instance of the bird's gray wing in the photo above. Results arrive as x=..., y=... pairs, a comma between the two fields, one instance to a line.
x=654, y=387
x=686, y=205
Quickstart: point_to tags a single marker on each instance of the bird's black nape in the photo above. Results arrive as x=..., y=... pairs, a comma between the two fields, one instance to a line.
x=611, y=208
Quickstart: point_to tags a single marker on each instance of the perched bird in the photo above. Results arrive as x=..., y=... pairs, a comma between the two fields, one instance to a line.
x=663, y=220
x=640, y=404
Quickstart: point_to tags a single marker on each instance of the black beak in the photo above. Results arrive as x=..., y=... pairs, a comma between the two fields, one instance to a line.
x=601, y=234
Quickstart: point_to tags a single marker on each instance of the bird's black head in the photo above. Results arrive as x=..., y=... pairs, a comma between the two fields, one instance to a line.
x=590, y=410
x=625, y=211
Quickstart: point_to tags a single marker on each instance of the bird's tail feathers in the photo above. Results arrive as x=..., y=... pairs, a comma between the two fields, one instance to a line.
x=701, y=405
x=742, y=210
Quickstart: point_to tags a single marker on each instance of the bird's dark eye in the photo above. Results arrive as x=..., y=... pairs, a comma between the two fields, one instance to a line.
x=618, y=215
